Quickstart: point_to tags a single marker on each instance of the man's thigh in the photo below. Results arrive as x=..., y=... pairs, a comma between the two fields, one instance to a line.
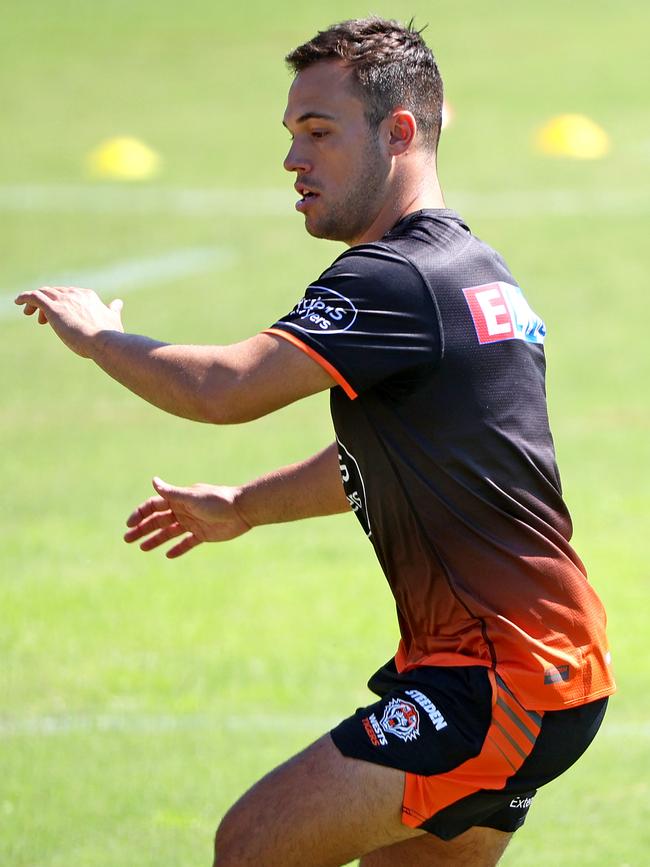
x=478, y=847
x=319, y=809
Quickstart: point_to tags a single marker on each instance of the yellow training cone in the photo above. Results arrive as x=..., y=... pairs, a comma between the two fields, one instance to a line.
x=573, y=135
x=123, y=158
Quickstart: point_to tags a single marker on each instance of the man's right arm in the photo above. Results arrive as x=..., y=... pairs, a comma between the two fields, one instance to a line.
x=211, y=513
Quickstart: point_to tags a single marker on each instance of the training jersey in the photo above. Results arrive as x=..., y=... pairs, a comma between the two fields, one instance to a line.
x=447, y=459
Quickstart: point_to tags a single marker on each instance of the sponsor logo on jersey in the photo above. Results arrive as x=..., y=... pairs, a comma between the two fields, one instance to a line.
x=500, y=312
x=354, y=487
x=374, y=732
x=322, y=310
x=401, y=719
x=429, y=707
x=521, y=802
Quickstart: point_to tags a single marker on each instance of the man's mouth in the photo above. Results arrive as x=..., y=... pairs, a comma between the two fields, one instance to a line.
x=307, y=196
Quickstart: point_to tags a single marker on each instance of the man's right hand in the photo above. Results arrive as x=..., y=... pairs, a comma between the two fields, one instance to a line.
x=205, y=513
x=78, y=316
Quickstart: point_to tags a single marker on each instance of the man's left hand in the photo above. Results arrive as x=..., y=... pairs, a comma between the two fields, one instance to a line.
x=76, y=315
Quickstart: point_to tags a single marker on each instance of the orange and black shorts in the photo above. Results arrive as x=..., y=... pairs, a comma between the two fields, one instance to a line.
x=472, y=754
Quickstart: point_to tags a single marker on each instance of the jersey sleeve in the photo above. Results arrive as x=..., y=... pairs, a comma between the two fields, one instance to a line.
x=368, y=318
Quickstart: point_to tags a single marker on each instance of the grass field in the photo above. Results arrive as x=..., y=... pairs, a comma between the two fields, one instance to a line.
x=139, y=697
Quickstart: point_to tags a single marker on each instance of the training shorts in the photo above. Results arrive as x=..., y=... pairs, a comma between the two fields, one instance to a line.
x=472, y=754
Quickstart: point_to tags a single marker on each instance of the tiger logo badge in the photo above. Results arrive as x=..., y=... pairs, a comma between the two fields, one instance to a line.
x=401, y=719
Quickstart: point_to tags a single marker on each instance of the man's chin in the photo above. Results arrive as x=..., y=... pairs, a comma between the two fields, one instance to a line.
x=312, y=229
x=324, y=231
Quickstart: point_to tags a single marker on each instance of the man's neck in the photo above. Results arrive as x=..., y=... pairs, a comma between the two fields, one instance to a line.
x=402, y=202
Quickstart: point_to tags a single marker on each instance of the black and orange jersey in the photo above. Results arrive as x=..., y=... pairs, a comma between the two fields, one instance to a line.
x=448, y=461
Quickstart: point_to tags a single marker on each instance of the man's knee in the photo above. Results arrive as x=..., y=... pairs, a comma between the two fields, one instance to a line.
x=228, y=841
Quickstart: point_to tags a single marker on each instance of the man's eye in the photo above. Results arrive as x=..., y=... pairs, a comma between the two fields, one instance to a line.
x=319, y=133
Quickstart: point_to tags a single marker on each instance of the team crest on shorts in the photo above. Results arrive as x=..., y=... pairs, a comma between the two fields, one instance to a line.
x=401, y=718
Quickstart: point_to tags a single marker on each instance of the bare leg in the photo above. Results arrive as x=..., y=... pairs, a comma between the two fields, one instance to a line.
x=478, y=847
x=319, y=809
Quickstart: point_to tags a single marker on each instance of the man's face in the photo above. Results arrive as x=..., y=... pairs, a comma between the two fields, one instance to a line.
x=340, y=168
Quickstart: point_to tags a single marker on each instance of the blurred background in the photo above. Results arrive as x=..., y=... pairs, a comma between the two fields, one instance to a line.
x=141, y=154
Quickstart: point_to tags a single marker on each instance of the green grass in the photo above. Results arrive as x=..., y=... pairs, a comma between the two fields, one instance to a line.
x=169, y=687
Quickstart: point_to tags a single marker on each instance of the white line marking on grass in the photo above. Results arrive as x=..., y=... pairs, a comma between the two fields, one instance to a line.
x=269, y=202
x=130, y=275
x=630, y=729
x=144, y=723
x=553, y=203
x=138, y=201
x=62, y=724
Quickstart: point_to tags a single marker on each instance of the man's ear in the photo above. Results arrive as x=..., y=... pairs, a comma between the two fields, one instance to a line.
x=403, y=129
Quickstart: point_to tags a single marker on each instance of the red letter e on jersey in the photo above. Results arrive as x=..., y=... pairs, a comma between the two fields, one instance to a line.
x=490, y=312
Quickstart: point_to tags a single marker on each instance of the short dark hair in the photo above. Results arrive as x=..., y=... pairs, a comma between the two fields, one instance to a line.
x=392, y=66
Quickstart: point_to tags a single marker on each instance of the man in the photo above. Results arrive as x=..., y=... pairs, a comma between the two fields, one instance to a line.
x=436, y=368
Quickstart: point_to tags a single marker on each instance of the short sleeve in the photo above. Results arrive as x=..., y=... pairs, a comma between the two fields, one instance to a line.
x=369, y=317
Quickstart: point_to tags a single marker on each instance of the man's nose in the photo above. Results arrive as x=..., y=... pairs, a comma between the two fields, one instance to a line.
x=295, y=162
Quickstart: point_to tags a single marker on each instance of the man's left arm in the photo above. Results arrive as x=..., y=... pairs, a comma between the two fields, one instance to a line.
x=216, y=384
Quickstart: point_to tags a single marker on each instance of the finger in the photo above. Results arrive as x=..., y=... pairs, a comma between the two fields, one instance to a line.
x=157, y=521
x=183, y=547
x=162, y=536
x=163, y=487
x=42, y=318
x=50, y=291
x=23, y=298
x=116, y=305
x=36, y=298
x=170, y=492
x=29, y=309
x=26, y=298
x=153, y=504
